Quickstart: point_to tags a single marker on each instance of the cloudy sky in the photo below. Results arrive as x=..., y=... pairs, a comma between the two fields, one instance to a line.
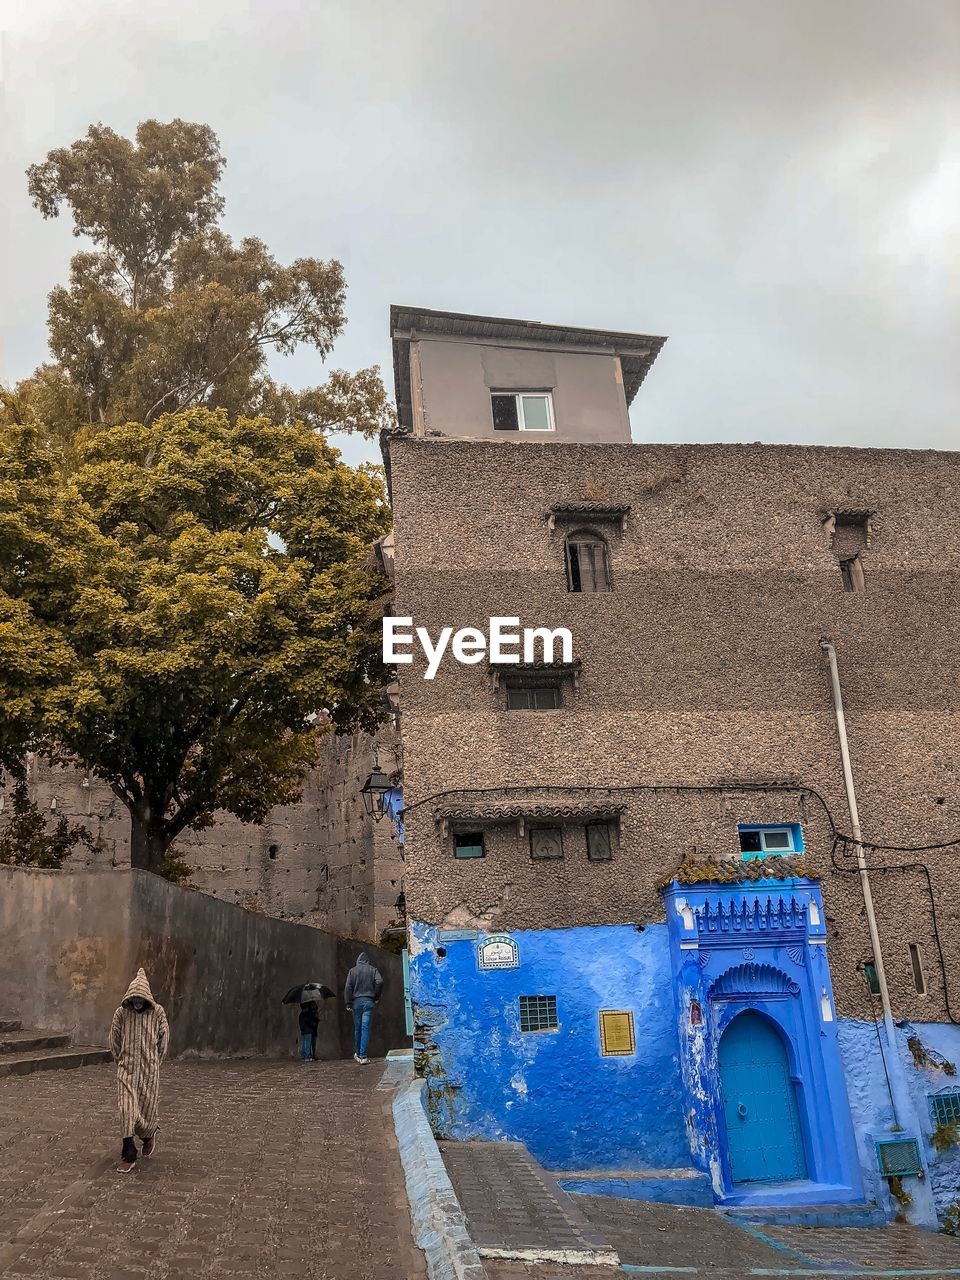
x=776, y=186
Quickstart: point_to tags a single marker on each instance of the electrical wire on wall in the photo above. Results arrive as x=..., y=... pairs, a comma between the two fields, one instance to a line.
x=839, y=837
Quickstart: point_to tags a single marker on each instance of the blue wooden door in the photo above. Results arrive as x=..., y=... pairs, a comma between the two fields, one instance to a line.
x=759, y=1103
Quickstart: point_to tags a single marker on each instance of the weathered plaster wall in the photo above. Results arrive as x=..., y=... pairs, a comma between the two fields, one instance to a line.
x=702, y=668
x=873, y=1112
x=574, y=1108
x=457, y=377
x=321, y=861
x=70, y=941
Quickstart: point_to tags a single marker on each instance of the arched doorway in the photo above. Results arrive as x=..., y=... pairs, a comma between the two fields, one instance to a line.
x=764, y=1138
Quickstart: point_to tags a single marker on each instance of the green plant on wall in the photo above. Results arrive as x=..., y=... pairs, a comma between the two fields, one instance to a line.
x=899, y=1192
x=951, y=1220
x=945, y=1135
x=713, y=869
x=26, y=839
x=925, y=1059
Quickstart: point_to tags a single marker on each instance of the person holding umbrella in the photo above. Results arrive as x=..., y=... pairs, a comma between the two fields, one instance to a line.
x=308, y=995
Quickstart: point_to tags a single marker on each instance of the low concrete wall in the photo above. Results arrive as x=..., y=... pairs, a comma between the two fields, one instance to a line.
x=71, y=941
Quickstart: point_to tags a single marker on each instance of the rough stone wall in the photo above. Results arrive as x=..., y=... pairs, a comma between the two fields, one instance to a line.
x=320, y=862
x=220, y=972
x=701, y=669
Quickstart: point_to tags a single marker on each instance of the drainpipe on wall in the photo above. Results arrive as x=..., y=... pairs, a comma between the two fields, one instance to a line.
x=830, y=651
x=923, y=1211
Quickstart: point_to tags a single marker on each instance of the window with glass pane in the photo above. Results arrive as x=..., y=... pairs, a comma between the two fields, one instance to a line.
x=468, y=844
x=535, y=413
x=505, y=413
x=587, y=564
x=522, y=410
x=758, y=841
x=533, y=697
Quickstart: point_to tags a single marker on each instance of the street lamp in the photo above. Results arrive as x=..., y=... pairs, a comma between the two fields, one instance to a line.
x=374, y=791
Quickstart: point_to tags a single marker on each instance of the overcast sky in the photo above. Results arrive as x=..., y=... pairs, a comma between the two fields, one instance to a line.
x=775, y=186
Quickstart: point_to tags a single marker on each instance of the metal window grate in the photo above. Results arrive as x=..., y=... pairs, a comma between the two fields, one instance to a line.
x=945, y=1107
x=899, y=1156
x=538, y=1013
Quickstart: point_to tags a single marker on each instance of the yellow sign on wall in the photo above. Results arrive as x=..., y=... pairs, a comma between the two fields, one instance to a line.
x=616, y=1033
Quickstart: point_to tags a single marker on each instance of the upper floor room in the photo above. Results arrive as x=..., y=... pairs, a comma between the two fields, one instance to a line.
x=480, y=377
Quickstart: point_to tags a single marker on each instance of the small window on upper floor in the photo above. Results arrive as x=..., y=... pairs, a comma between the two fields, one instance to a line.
x=533, y=695
x=468, y=844
x=522, y=411
x=916, y=968
x=587, y=566
x=852, y=571
x=766, y=839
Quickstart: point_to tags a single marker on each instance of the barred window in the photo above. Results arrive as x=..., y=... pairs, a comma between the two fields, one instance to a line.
x=546, y=843
x=538, y=1013
x=599, y=842
x=587, y=567
x=945, y=1107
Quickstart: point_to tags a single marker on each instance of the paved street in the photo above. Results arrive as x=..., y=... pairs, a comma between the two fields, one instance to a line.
x=270, y=1169
x=263, y=1170
x=511, y=1204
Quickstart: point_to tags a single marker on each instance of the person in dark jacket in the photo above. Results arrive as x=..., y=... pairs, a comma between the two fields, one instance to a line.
x=363, y=989
x=309, y=1025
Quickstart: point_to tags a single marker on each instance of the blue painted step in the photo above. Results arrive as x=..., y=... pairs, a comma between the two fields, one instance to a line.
x=809, y=1215
x=688, y=1187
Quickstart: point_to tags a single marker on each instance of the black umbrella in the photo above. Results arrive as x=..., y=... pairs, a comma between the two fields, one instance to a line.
x=308, y=992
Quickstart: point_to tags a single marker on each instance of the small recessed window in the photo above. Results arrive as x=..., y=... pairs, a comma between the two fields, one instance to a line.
x=535, y=696
x=599, y=841
x=538, y=1013
x=870, y=973
x=587, y=568
x=765, y=839
x=522, y=411
x=546, y=843
x=916, y=966
x=468, y=844
x=852, y=571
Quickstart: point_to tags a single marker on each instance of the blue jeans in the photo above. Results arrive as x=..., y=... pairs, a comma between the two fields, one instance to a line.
x=308, y=1045
x=362, y=1017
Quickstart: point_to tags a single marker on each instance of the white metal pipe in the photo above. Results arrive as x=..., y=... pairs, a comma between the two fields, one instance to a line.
x=830, y=651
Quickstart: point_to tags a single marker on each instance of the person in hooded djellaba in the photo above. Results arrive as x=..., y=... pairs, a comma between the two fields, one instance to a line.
x=139, y=1039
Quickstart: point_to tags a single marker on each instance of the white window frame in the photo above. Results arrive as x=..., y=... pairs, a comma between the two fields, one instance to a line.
x=542, y=395
x=769, y=829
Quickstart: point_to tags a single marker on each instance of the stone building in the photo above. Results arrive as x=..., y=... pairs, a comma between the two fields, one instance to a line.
x=639, y=936
x=322, y=862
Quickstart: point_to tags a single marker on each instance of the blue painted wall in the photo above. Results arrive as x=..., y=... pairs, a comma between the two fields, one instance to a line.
x=552, y=1090
x=873, y=1113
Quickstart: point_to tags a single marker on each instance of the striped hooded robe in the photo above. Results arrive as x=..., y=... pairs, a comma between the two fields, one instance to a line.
x=138, y=1042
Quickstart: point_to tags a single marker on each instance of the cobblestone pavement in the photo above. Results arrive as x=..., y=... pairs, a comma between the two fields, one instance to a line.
x=510, y=1202
x=262, y=1170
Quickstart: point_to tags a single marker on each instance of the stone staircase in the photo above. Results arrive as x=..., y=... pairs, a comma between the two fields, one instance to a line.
x=24, y=1051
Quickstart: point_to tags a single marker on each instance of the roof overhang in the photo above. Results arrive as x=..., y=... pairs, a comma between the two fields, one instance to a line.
x=637, y=351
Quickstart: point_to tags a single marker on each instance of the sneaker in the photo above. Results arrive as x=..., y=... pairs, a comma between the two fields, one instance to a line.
x=363, y=1061
x=126, y=1166
x=356, y=1057
x=150, y=1146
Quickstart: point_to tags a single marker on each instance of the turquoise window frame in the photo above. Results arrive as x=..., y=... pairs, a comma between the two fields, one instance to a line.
x=796, y=836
